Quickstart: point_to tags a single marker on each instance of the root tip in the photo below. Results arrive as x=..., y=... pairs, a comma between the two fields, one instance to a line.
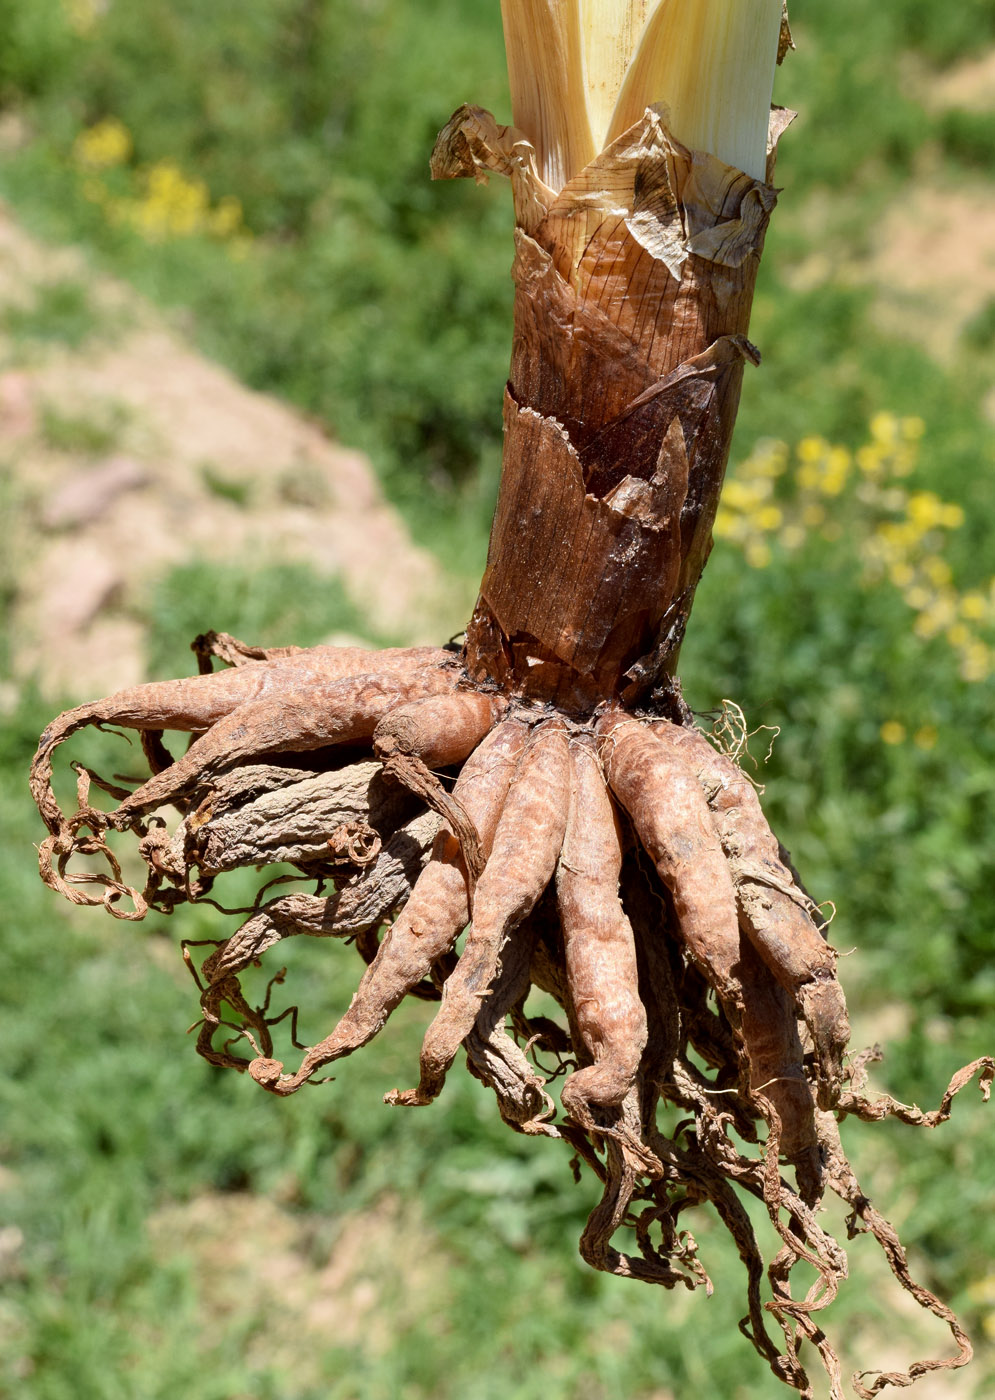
x=266, y=1072
x=406, y=1098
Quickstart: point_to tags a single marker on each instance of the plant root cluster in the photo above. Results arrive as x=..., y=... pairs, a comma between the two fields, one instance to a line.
x=618, y=861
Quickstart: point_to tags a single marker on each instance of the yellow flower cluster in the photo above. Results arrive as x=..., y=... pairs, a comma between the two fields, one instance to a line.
x=893, y=731
x=173, y=206
x=168, y=205
x=748, y=513
x=103, y=145
x=899, y=533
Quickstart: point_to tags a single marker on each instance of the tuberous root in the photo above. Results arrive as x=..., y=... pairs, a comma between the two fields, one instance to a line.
x=619, y=864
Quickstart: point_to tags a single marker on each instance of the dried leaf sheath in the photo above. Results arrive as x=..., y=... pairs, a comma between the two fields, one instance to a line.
x=633, y=295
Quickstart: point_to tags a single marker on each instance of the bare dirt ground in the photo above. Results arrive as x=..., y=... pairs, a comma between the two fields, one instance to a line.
x=131, y=453
x=929, y=268
x=969, y=84
x=933, y=263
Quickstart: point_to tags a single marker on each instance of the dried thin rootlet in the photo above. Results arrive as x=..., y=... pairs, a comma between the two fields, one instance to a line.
x=546, y=788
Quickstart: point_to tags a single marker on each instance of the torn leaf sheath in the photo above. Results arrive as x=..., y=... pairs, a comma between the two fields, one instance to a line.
x=633, y=293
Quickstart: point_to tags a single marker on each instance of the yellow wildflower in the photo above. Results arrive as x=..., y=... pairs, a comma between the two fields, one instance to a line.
x=768, y=518
x=935, y=618
x=925, y=509
x=103, y=145
x=869, y=459
x=812, y=449
x=973, y=606
x=173, y=205
x=892, y=731
x=918, y=597
x=832, y=483
x=738, y=494
x=769, y=458
x=925, y=737
x=976, y=662
x=884, y=428
x=937, y=570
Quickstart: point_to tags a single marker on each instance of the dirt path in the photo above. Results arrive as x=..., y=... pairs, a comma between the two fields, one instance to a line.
x=933, y=264
x=128, y=453
x=929, y=265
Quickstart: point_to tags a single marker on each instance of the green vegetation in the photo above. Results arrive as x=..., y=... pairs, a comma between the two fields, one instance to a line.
x=226, y=488
x=92, y=433
x=265, y=169
x=267, y=604
x=61, y=313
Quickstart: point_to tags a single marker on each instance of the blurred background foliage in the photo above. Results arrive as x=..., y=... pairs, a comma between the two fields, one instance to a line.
x=259, y=169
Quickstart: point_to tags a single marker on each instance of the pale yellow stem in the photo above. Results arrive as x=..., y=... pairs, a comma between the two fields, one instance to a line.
x=711, y=62
x=610, y=34
x=584, y=71
x=542, y=39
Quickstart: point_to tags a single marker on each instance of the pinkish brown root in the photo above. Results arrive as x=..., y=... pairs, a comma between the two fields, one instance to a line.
x=319, y=715
x=686, y=960
x=430, y=922
x=515, y=875
x=599, y=947
x=671, y=819
x=779, y=918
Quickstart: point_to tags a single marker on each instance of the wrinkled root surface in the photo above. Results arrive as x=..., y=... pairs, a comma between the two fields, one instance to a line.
x=618, y=861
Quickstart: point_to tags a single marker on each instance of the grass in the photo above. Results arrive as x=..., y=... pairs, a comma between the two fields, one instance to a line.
x=226, y=488
x=60, y=313
x=262, y=605
x=93, y=433
x=381, y=305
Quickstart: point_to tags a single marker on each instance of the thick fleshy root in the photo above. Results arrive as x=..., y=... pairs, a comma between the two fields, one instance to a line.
x=615, y=860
